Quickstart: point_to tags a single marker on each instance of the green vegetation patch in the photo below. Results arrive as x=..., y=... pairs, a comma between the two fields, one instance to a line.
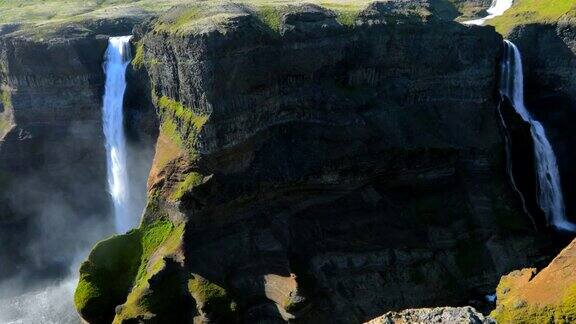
x=180, y=123
x=106, y=277
x=122, y=265
x=180, y=20
x=270, y=16
x=138, y=60
x=214, y=298
x=191, y=180
x=533, y=11
x=513, y=309
x=159, y=240
x=6, y=122
x=346, y=14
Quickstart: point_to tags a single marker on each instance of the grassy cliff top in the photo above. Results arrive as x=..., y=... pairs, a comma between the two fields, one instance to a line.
x=40, y=18
x=50, y=11
x=534, y=11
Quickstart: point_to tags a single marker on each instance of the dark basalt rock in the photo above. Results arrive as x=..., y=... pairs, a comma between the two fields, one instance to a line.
x=308, y=22
x=407, y=11
x=345, y=175
x=52, y=162
x=548, y=53
x=523, y=169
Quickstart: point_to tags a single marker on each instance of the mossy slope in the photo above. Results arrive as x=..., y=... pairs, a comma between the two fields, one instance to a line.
x=120, y=265
x=548, y=297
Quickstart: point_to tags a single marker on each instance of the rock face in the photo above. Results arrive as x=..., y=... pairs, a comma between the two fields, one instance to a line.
x=53, y=139
x=549, y=54
x=54, y=199
x=463, y=315
x=472, y=8
x=311, y=171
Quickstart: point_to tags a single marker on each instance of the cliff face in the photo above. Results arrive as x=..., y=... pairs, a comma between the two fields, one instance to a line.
x=50, y=160
x=54, y=200
x=549, y=54
x=313, y=171
x=548, y=50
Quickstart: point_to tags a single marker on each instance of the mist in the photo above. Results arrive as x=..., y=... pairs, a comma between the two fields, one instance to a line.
x=66, y=208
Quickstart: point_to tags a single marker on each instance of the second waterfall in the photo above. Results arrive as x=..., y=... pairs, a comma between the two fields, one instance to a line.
x=115, y=64
x=550, y=197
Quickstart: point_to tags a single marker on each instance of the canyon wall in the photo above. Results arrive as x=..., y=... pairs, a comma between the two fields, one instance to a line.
x=309, y=170
x=54, y=200
x=549, y=52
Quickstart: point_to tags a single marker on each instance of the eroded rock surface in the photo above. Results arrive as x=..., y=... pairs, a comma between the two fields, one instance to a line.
x=54, y=200
x=444, y=315
x=321, y=171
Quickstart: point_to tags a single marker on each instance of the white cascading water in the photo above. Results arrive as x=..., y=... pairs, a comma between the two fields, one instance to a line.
x=53, y=304
x=116, y=61
x=550, y=196
x=497, y=8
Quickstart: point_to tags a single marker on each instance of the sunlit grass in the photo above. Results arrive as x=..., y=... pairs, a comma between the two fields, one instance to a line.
x=46, y=12
x=533, y=11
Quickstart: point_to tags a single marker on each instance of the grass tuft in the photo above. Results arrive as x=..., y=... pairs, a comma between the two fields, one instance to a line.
x=191, y=180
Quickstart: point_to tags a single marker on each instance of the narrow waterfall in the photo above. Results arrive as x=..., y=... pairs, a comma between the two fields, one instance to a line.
x=116, y=61
x=497, y=8
x=550, y=197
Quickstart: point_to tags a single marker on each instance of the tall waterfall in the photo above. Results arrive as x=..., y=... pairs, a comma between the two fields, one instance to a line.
x=550, y=196
x=497, y=8
x=116, y=61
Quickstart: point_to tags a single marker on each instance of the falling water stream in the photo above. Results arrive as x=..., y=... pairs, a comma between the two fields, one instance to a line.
x=550, y=197
x=116, y=62
x=53, y=304
x=497, y=8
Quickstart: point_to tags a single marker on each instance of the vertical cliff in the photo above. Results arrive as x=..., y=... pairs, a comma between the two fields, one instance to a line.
x=312, y=169
x=54, y=200
x=549, y=53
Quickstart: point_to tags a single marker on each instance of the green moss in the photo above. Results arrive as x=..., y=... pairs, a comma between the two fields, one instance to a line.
x=152, y=236
x=270, y=16
x=346, y=14
x=215, y=299
x=106, y=277
x=191, y=180
x=176, y=109
x=180, y=123
x=5, y=97
x=159, y=240
x=138, y=60
x=180, y=20
x=517, y=310
x=118, y=269
x=6, y=121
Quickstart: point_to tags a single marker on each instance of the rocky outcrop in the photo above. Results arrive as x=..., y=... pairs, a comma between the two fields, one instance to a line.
x=463, y=315
x=472, y=8
x=548, y=296
x=319, y=171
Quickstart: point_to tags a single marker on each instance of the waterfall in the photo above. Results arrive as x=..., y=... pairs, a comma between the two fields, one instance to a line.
x=550, y=197
x=116, y=61
x=497, y=8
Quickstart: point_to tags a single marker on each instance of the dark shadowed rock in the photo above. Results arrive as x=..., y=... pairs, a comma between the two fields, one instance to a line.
x=326, y=179
x=549, y=55
x=308, y=22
